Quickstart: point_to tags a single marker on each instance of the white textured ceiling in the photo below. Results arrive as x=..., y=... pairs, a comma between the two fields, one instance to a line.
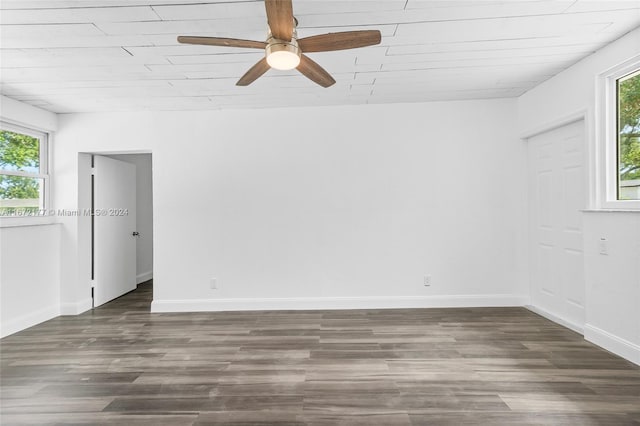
x=107, y=55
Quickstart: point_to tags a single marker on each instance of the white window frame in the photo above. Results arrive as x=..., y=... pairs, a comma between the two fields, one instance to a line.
x=607, y=136
x=44, y=167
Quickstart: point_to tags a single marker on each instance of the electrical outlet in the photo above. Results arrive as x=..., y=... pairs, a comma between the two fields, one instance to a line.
x=427, y=280
x=603, y=247
x=213, y=284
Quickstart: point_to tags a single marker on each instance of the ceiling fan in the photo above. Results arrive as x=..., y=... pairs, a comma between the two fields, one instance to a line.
x=283, y=49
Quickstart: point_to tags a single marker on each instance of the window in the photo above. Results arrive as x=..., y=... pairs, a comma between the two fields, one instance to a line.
x=24, y=179
x=628, y=136
x=617, y=153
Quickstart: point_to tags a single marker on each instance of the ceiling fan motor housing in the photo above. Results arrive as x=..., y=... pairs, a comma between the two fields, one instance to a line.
x=282, y=49
x=282, y=54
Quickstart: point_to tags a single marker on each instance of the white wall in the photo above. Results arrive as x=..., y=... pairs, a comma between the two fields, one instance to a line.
x=29, y=255
x=564, y=95
x=347, y=206
x=573, y=90
x=29, y=276
x=613, y=281
x=70, y=161
x=144, y=213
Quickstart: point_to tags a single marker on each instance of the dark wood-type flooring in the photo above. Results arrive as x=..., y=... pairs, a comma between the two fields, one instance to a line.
x=120, y=364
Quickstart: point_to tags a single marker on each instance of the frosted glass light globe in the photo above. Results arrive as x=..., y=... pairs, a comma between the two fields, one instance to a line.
x=283, y=60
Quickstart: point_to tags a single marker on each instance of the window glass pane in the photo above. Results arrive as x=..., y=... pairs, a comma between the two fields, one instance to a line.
x=19, y=152
x=629, y=137
x=21, y=196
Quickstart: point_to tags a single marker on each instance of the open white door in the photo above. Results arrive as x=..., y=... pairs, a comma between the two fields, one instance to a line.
x=114, y=241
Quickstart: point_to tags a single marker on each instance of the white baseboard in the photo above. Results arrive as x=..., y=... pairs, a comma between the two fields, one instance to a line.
x=606, y=340
x=612, y=343
x=76, y=308
x=145, y=276
x=329, y=303
x=29, y=320
x=563, y=322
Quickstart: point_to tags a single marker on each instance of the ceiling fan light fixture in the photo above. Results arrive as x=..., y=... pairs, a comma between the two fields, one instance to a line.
x=283, y=55
x=284, y=51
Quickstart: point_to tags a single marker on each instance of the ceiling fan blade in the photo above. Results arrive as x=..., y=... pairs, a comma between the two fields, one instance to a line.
x=254, y=72
x=220, y=41
x=340, y=41
x=280, y=18
x=315, y=72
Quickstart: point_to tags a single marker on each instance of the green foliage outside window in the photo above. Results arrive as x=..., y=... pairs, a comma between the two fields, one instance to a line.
x=629, y=128
x=19, y=152
x=18, y=188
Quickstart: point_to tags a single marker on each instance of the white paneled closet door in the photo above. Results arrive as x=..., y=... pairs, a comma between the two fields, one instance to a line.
x=557, y=194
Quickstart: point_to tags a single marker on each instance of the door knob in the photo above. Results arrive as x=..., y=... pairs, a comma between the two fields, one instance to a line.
x=135, y=233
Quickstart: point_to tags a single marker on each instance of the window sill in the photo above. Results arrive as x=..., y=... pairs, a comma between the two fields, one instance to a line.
x=611, y=211
x=12, y=222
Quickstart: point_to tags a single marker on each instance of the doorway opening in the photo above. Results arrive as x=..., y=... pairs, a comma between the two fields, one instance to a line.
x=120, y=237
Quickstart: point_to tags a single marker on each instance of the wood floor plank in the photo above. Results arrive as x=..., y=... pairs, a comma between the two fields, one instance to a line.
x=119, y=364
